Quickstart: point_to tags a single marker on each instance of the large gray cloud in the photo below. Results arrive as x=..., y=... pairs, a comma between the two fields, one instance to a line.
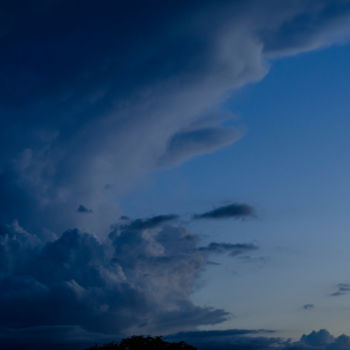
x=139, y=279
x=98, y=94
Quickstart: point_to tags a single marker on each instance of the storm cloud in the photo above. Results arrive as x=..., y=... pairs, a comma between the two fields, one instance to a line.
x=101, y=94
x=93, y=96
x=138, y=279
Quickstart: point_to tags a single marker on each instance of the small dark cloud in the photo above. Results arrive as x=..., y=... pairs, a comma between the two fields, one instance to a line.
x=142, y=224
x=232, y=249
x=342, y=289
x=83, y=209
x=228, y=211
x=308, y=306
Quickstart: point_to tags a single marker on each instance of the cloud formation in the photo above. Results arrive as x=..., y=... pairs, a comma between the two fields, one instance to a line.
x=232, y=249
x=74, y=337
x=138, y=279
x=236, y=211
x=94, y=96
x=83, y=209
x=187, y=144
x=116, y=93
x=242, y=339
x=342, y=289
x=142, y=224
x=308, y=306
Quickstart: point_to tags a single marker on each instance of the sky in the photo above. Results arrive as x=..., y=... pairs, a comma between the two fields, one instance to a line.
x=175, y=168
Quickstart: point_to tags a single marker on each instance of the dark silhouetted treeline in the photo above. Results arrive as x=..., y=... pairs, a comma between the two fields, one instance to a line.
x=144, y=343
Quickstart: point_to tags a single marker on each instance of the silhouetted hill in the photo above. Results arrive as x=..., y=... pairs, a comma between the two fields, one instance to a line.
x=144, y=343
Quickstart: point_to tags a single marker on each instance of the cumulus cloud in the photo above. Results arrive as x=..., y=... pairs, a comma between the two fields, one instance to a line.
x=236, y=211
x=138, y=279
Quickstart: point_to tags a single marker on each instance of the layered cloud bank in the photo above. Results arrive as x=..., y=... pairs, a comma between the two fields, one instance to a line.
x=75, y=338
x=258, y=339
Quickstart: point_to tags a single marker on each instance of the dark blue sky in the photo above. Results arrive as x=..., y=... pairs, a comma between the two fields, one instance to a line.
x=176, y=168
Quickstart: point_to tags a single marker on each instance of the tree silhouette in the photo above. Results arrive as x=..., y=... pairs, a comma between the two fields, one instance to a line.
x=144, y=343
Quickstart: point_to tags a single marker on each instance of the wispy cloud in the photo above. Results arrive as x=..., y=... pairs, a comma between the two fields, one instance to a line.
x=236, y=211
x=233, y=249
x=342, y=289
x=142, y=224
x=237, y=339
